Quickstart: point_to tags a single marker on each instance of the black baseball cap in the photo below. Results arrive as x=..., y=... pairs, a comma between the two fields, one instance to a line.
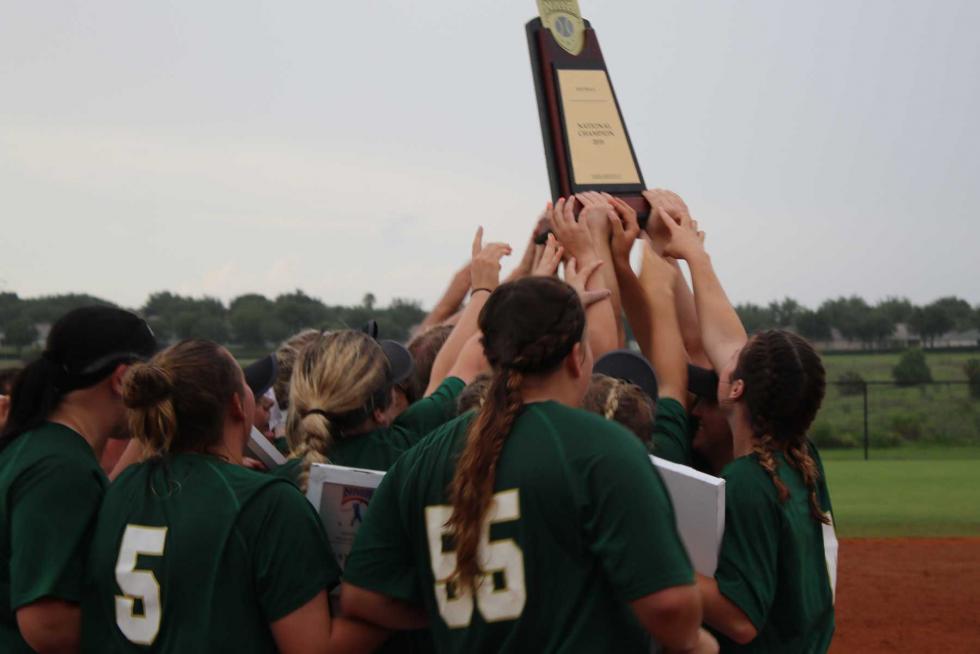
x=400, y=360
x=703, y=382
x=86, y=344
x=260, y=374
x=631, y=367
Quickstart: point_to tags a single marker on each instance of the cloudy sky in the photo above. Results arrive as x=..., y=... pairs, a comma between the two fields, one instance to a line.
x=221, y=147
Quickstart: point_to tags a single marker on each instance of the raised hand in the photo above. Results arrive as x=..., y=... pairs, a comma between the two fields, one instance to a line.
x=595, y=213
x=624, y=228
x=672, y=203
x=546, y=265
x=578, y=278
x=574, y=235
x=485, y=265
x=684, y=241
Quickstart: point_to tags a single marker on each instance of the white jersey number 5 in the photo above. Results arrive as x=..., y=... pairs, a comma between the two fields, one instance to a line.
x=501, y=595
x=136, y=584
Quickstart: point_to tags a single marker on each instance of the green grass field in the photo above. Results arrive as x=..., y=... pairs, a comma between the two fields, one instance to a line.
x=919, y=491
x=942, y=414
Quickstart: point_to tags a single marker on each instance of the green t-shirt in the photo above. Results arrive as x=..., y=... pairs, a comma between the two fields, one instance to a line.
x=194, y=554
x=50, y=488
x=581, y=525
x=772, y=563
x=671, y=432
x=379, y=449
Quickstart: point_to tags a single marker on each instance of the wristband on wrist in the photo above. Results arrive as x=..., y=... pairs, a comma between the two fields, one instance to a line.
x=482, y=288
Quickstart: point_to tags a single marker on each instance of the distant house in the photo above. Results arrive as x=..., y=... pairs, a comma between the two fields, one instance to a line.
x=902, y=338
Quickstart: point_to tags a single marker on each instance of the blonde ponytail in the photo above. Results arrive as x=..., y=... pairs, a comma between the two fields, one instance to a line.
x=338, y=380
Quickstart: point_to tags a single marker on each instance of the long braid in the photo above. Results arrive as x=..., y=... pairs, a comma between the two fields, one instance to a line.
x=529, y=326
x=764, y=449
x=784, y=387
x=798, y=456
x=472, y=487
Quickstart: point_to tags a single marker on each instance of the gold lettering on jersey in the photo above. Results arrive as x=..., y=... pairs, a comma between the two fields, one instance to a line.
x=597, y=143
x=563, y=18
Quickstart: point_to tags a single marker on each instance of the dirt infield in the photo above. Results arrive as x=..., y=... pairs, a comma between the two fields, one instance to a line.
x=908, y=595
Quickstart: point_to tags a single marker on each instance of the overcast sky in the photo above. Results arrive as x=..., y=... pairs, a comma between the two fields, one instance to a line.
x=221, y=147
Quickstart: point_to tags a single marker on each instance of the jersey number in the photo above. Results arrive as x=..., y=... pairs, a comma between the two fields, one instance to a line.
x=501, y=595
x=136, y=584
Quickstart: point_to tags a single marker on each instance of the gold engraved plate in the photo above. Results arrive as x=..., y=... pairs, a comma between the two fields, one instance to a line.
x=563, y=19
x=598, y=147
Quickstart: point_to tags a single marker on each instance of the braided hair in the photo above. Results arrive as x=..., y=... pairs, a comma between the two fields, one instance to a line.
x=784, y=387
x=338, y=380
x=529, y=326
x=619, y=400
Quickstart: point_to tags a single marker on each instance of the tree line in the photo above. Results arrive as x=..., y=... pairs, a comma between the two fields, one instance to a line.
x=254, y=320
x=857, y=320
x=251, y=320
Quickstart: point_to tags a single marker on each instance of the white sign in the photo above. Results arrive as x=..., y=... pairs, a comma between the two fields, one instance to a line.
x=341, y=496
x=699, y=506
x=261, y=448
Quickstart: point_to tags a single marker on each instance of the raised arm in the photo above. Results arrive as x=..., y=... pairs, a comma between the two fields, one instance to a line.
x=451, y=300
x=576, y=239
x=687, y=315
x=484, y=278
x=666, y=346
x=722, y=332
x=597, y=211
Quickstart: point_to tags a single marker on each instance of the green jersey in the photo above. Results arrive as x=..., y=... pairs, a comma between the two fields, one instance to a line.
x=671, y=432
x=580, y=524
x=193, y=554
x=379, y=449
x=772, y=563
x=50, y=488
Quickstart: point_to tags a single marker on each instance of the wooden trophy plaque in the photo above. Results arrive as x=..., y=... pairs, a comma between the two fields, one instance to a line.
x=586, y=144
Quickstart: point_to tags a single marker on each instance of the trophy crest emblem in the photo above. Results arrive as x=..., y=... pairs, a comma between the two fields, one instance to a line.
x=563, y=19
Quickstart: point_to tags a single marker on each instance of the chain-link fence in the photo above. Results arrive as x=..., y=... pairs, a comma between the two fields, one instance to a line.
x=879, y=417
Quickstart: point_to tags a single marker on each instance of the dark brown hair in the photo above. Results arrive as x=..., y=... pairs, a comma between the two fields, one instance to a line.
x=784, y=387
x=626, y=403
x=529, y=326
x=177, y=400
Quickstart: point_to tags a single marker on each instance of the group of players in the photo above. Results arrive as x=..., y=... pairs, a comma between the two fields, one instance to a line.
x=531, y=520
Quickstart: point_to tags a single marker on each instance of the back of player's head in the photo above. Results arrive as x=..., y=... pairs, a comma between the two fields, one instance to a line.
x=619, y=400
x=529, y=327
x=424, y=348
x=784, y=383
x=83, y=348
x=474, y=394
x=178, y=400
x=285, y=359
x=339, y=380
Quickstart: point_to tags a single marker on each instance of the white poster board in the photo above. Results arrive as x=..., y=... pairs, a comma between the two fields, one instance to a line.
x=341, y=496
x=261, y=448
x=699, y=506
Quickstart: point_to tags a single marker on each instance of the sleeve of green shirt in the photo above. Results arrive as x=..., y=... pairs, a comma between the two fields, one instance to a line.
x=430, y=412
x=630, y=520
x=381, y=559
x=291, y=557
x=53, y=513
x=671, y=432
x=747, y=563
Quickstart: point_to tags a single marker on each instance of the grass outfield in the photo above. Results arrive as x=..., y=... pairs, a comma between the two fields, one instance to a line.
x=933, y=492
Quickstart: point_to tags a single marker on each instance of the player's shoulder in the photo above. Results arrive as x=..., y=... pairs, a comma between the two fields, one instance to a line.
x=53, y=452
x=580, y=428
x=747, y=482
